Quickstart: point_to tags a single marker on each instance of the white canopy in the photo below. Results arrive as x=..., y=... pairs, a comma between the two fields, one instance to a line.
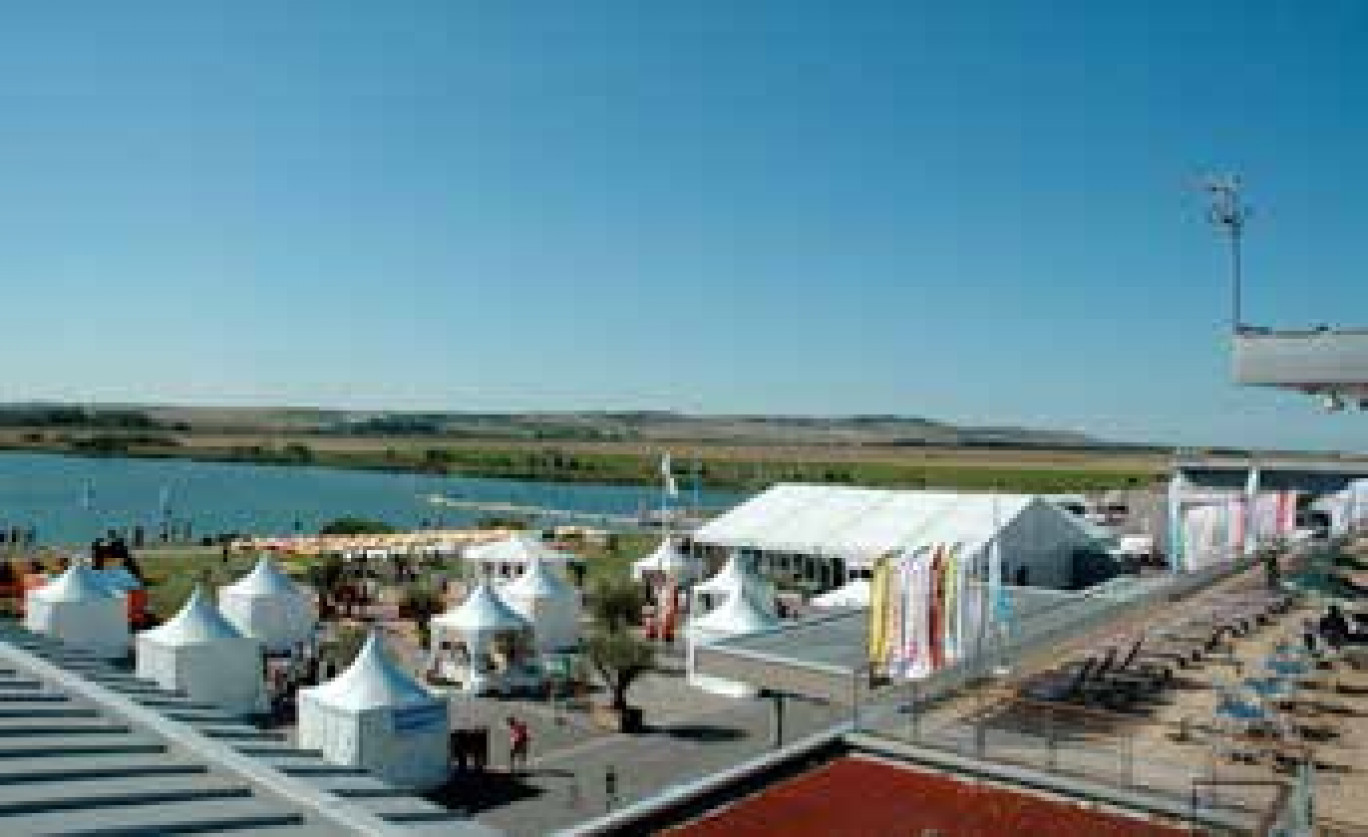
x=858, y=525
x=267, y=605
x=737, y=576
x=201, y=653
x=516, y=551
x=737, y=615
x=483, y=611
x=376, y=716
x=854, y=593
x=489, y=650
x=548, y=602
x=80, y=610
x=669, y=559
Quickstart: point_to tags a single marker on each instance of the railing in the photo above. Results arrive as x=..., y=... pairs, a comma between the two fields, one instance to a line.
x=1087, y=745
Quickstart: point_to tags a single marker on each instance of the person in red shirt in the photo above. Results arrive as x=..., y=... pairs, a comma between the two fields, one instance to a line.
x=519, y=740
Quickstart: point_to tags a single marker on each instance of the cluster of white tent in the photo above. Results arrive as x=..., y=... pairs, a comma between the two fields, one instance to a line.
x=496, y=640
x=373, y=715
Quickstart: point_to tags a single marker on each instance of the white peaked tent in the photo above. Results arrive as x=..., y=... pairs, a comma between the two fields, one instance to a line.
x=79, y=609
x=854, y=593
x=735, y=576
x=667, y=559
x=376, y=716
x=266, y=605
x=483, y=644
x=737, y=615
x=549, y=603
x=507, y=558
x=202, y=654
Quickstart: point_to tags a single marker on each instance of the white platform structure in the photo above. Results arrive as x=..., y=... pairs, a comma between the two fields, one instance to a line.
x=201, y=654
x=376, y=716
x=830, y=534
x=854, y=593
x=509, y=557
x=737, y=615
x=668, y=561
x=549, y=603
x=484, y=645
x=737, y=577
x=267, y=605
x=1330, y=363
x=79, y=609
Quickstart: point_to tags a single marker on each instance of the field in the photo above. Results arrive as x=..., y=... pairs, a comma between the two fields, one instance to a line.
x=715, y=465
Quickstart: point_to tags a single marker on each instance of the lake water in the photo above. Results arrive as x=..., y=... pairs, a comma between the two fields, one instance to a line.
x=72, y=499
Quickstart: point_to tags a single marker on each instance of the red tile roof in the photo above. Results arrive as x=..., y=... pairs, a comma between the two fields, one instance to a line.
x=854, y=797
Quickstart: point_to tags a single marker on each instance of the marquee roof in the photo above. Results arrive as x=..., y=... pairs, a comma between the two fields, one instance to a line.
x=863, y=522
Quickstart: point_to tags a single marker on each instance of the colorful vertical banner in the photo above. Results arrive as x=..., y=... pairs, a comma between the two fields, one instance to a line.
x=922, y=611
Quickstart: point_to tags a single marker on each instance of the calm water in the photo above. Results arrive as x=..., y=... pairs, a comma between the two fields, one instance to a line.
x=71, y=499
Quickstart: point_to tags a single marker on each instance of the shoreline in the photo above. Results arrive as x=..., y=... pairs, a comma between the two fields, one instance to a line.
x=719, y=468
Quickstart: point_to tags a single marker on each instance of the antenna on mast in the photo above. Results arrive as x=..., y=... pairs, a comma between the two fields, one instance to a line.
x=1229, y=213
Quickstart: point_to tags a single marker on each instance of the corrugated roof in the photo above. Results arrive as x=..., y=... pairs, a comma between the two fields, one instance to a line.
x=860, y=522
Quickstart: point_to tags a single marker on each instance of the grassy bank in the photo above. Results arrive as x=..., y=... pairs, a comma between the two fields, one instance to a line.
x=715, y=466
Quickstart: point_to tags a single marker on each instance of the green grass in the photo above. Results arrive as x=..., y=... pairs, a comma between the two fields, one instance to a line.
x=614, y=563
x=745, y=471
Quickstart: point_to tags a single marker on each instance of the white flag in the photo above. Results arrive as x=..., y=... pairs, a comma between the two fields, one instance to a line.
x=670, y=487
x=1247, y=524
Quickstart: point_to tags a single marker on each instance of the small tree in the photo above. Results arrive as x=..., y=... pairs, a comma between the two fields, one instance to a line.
x=616, y=604
x=345, y=646
x=422, y=602
x=356, y=526
x=619, y=658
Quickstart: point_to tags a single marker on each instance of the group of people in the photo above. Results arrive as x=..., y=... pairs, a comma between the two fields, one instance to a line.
x=19, y=537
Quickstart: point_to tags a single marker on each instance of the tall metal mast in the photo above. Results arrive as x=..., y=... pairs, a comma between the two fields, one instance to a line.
x=1229, y=213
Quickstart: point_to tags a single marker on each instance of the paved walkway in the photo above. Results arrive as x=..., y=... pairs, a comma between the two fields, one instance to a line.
x=568, y=785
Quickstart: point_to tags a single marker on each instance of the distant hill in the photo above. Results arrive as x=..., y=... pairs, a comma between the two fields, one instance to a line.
x=607, y=425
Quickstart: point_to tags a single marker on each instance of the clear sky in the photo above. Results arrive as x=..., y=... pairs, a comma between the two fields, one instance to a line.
x=977, y=212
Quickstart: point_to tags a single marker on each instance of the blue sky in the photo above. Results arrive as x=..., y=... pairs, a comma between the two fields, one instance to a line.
x=978, y=212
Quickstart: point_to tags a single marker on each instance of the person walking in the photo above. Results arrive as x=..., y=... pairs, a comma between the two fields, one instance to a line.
x=519, y=741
